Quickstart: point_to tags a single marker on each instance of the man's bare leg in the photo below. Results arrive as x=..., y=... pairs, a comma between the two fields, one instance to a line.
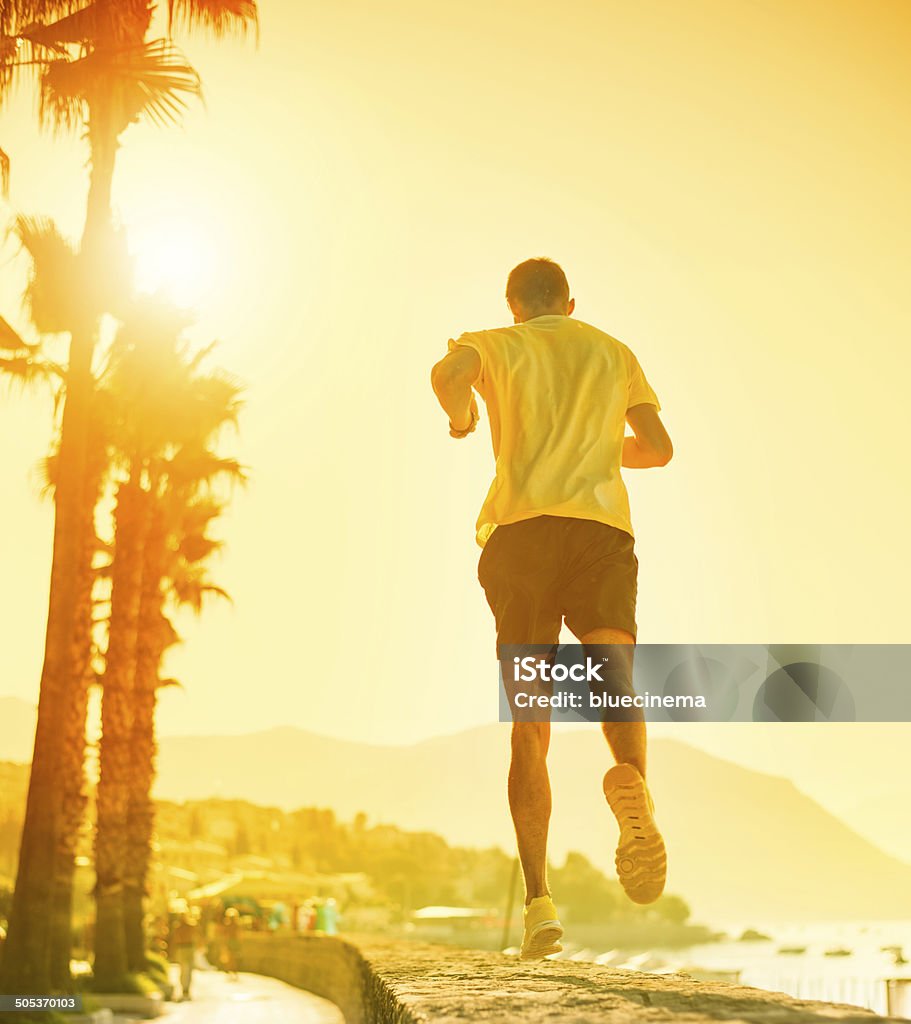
x=627, y=740
x=530, y=803
x=641, y=858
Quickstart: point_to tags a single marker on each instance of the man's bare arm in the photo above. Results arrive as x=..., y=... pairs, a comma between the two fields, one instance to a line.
x=650, y=444
x=451, y=379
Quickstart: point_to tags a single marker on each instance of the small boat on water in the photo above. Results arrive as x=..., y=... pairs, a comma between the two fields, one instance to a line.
x=792, y=950
x=728, y=974
x=897, y=954
x=839, y=951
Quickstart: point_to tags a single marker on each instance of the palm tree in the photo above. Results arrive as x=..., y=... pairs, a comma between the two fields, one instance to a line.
x=177, y=548
x=34, y=917
x=162, y=414
x=95, y=68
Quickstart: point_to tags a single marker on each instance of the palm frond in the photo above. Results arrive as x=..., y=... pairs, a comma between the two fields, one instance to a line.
x=194, y=466
x=54, y=288
x=152, y=80
x=100, y=23
x=200, y=356
x=168, y=635
x=4, y=175
x=9, y=48
x=220, y=391
x=47, y=470
x=20, y=367
x=25, y=370
x=16, y=13
x=197, y=547
x=202, y=510
x=220, y=17
x=10, y=341
x=9, y=51
x=191, y=588
x=18, y=17
x=158, y=79
x=61, y=104
x=212, y=402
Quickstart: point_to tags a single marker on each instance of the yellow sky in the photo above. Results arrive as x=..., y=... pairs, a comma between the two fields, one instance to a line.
x=725, y=182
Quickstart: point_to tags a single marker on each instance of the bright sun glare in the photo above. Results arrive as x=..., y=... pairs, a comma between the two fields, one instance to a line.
x=177, y=257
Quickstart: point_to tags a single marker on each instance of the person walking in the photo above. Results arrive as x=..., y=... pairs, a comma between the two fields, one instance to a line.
x=185, y=940
x=229, y=935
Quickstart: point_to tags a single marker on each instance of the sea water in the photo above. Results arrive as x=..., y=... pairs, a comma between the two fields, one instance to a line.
x=840, y=963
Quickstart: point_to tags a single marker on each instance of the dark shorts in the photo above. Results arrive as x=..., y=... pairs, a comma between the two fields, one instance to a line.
x=540, y=571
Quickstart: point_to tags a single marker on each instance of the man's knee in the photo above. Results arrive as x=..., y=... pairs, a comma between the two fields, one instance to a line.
x=616, y=649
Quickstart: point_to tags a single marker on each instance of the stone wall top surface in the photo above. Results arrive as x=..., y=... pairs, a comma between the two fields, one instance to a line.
x=441, y=984
x=414, y=983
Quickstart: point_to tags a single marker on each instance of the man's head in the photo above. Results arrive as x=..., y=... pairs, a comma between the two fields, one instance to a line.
x=538, y=288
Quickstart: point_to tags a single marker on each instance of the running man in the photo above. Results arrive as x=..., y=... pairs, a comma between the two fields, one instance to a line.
x=557, y=540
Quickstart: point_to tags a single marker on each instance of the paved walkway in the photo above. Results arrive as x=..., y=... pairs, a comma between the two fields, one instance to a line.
x=252, y=999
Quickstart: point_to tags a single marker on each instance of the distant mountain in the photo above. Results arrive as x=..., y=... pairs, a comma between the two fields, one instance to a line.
x=17, y=729
x=862, y=790
x=744, y=846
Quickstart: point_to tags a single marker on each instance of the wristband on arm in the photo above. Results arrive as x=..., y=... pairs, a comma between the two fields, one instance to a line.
x=475, y=420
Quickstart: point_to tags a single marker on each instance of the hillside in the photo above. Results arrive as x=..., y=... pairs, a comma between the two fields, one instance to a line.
x=13, y=785
x=744, y=846
x=378, y=872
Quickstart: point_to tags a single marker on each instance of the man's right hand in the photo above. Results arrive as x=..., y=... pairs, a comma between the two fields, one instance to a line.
x=651, y=444
x=471, y=421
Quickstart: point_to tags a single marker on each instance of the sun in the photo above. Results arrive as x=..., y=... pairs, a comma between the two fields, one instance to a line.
x=177, y=256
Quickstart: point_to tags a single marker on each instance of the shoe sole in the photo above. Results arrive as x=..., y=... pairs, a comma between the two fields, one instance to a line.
x=544, y=940
x=641, y=857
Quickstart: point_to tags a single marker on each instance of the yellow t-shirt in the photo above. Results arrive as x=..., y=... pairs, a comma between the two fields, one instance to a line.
x=557, y=391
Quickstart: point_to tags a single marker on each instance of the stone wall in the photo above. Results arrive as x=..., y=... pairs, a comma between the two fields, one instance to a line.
x=411, y=983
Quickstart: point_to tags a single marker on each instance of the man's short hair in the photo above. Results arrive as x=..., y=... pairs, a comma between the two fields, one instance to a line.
x=537, y=284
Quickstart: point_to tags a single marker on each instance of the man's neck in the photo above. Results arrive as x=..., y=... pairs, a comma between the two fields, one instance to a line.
x=540, y=313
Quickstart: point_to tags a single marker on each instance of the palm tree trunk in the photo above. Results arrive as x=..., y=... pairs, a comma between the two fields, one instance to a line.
x=26, y=956
x=140, y=822
x=152, y=640
x=117, y=714
x=72, y=754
